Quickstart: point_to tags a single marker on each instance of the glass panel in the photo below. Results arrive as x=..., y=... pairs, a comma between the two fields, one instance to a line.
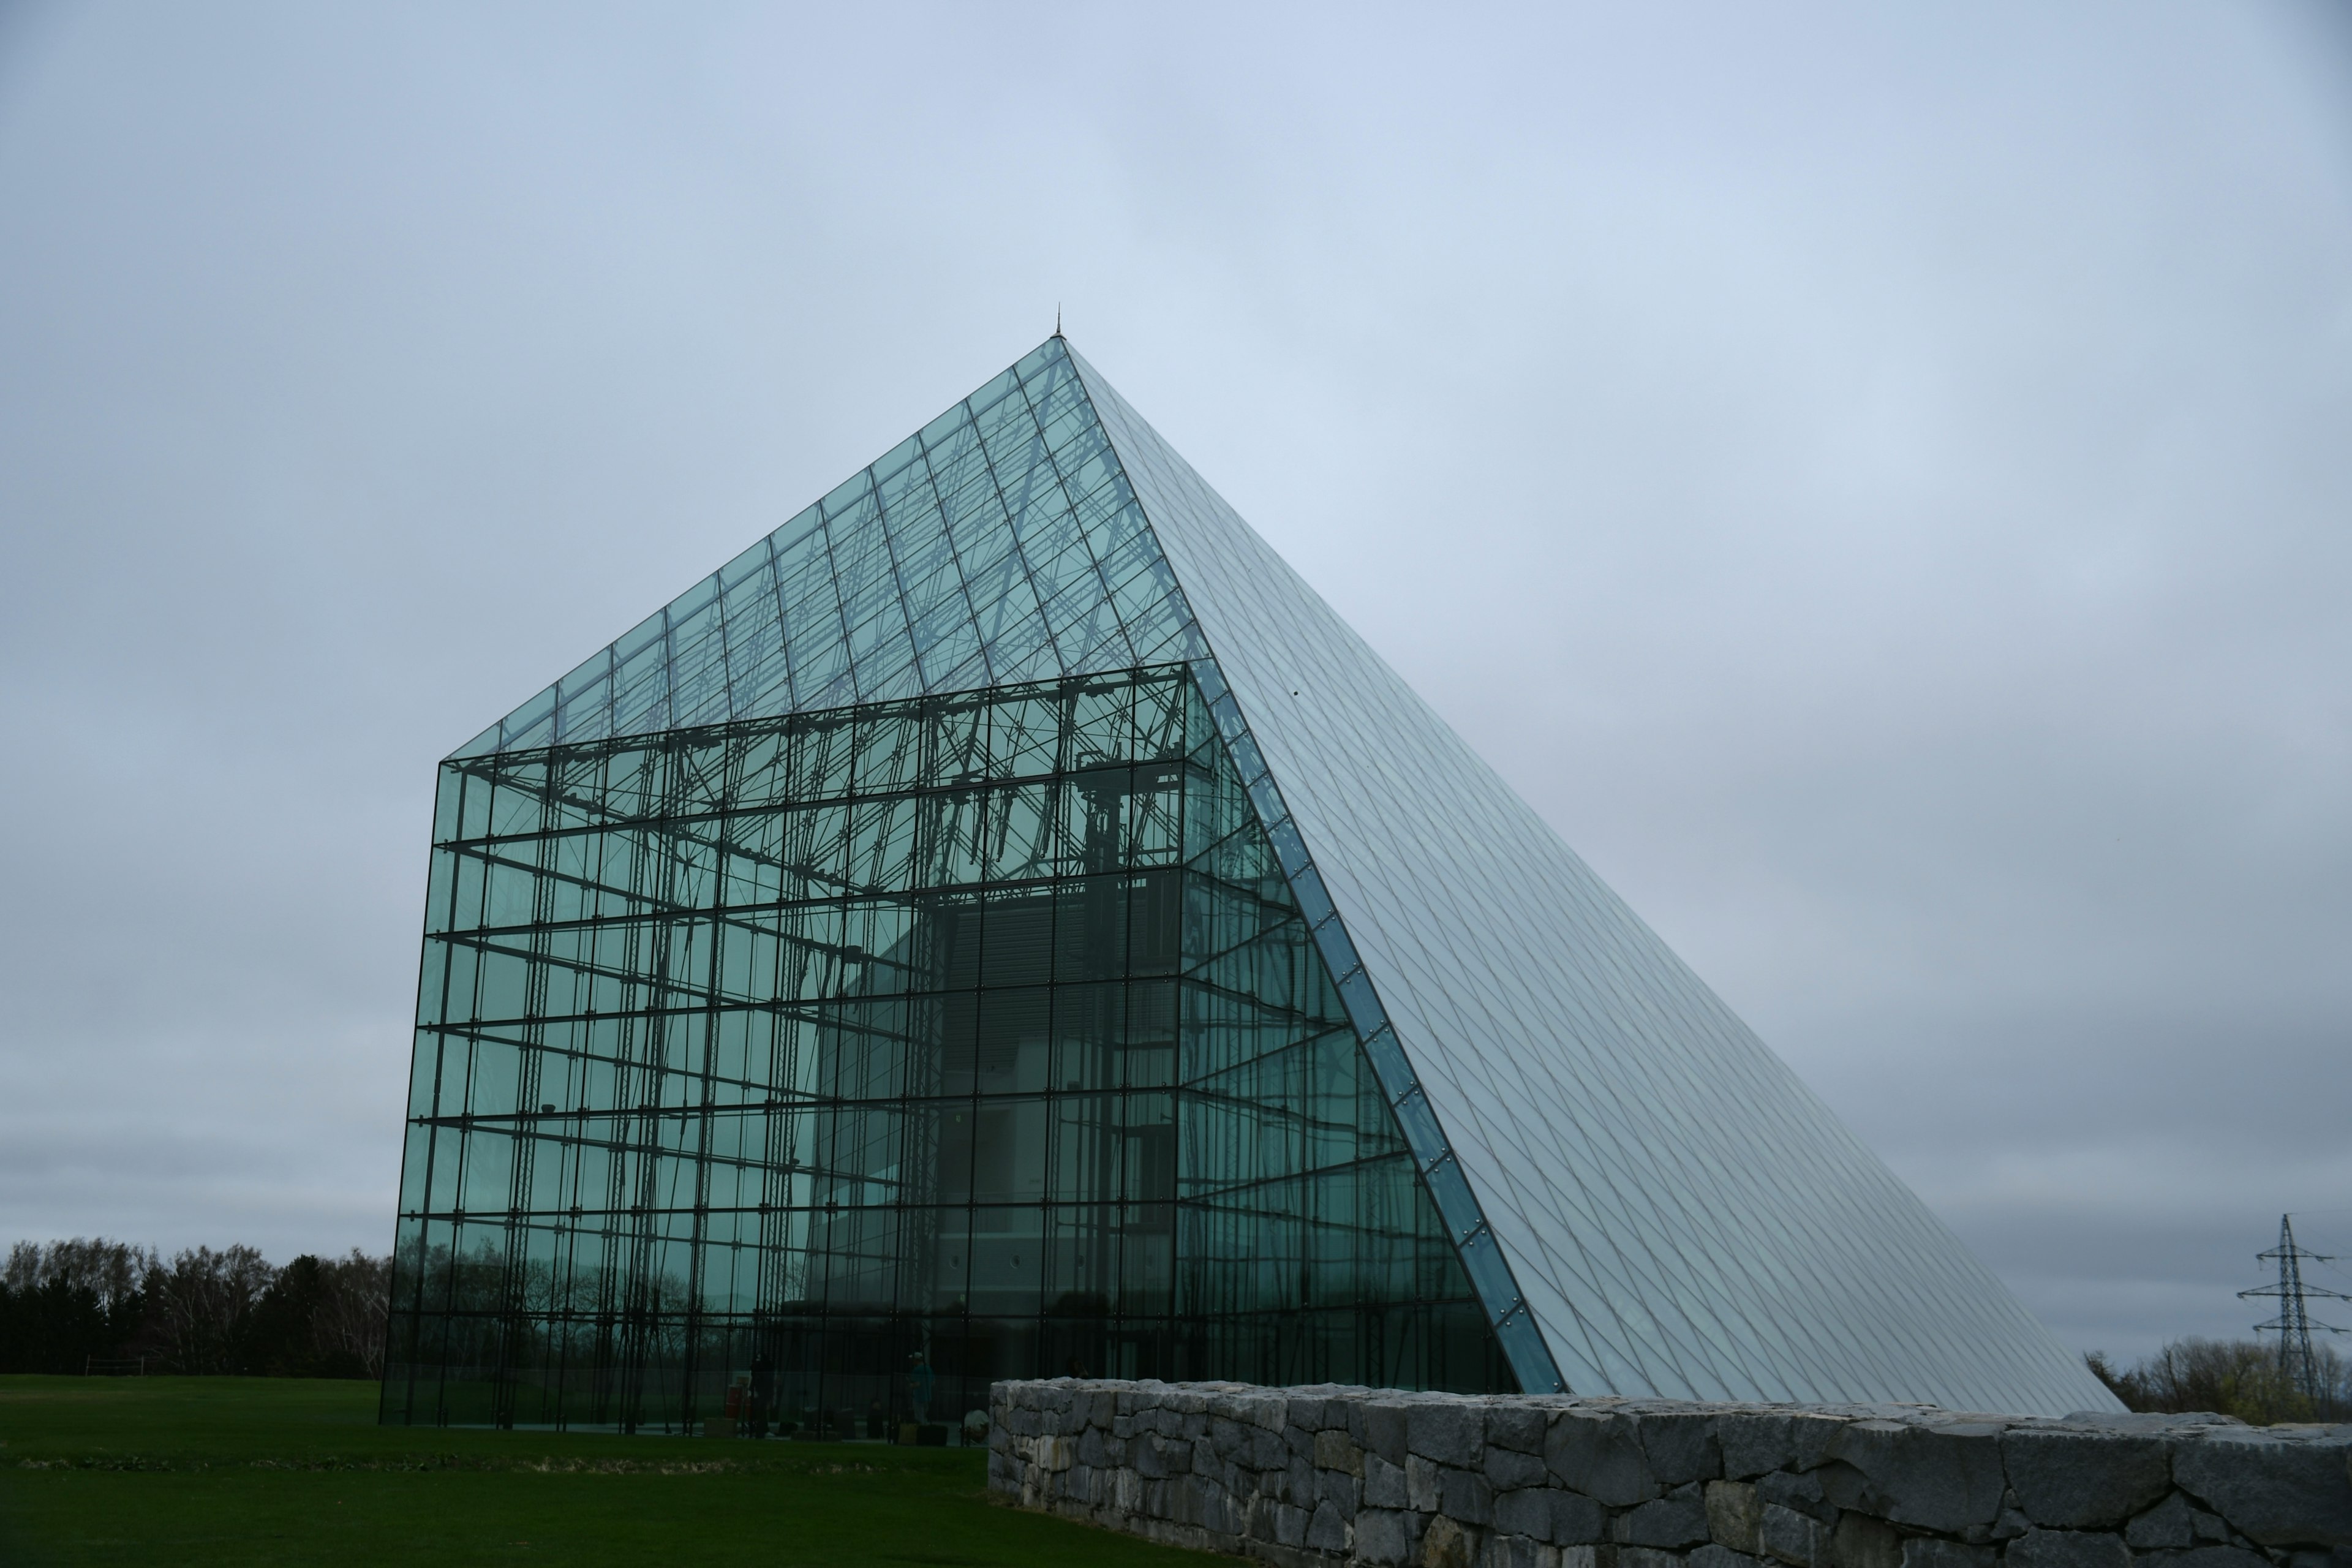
x=1453, y=1199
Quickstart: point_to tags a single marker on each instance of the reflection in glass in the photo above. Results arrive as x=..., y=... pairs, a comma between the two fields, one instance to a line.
x=773, y=1054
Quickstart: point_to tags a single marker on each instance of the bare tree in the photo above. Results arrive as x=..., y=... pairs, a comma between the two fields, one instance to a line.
x=230, y=1310
x=348, y=1325
x=2232, y=1377
x=112, y=1271
x=196, y=1308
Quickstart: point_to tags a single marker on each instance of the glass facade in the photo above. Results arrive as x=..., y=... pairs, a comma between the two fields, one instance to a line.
x=983, y=1033
x=1004, y=923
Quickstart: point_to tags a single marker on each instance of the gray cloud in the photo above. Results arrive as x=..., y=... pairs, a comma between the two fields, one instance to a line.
x=1875, y=481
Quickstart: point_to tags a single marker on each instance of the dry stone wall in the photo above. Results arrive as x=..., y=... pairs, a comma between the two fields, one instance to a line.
x=1329, y=1475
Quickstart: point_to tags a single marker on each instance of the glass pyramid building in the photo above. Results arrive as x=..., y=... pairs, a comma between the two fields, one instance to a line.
x=1003, y=923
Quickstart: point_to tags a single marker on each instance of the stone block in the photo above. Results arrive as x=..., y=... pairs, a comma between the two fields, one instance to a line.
x=1682, y=1447
x=1421, y=1483
x=1600, y=1455
x=1327, y=1531
x=1942, y=1479
x=1732, y=1509
x=2167, y=1527
x=1383, y=1483
x=2174, y=1526
x=1289, y=1525
x=2068, y=1549
x=1811, y=1438
x=1578, y=1520
x=1334, y=1451
x=1382, y=1539
x=2279, y=1494
x=1508, y=1468
x=1452, y=1432
x=2078, y=1480
x=1266, y=1411
x=1527, y=1511
x=1341, y=1489
x=1517, y=1427
x=1676, y=1522
x=1858, y=1540
x=1802, y=1492
x=1384, y=1431
x=1648, y=1557
x=1501, y=1550
x=1933, y=1551
x=1464, y=1495
x=1787, y=1536
x=1716, y=1556
x=1753, y=1444
x=2207, y=1557
x=1447, y=1545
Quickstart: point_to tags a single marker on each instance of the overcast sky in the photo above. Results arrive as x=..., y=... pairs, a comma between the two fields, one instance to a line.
x=1879, y=480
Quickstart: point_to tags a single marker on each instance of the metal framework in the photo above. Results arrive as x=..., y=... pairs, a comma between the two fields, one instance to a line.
x=823, y=1012
x=2298, y=1366
x=978, y=1033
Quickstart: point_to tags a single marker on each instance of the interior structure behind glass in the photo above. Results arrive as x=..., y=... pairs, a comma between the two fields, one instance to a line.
x=822, y=1069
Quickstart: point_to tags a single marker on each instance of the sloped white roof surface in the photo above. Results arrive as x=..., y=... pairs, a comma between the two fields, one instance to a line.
x=1683, y=1215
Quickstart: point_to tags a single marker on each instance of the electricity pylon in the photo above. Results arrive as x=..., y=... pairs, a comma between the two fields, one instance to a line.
x=2298, y=1366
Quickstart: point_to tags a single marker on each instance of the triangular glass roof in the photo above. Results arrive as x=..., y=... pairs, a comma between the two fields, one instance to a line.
x=1001, y=542
x=1646, y=1198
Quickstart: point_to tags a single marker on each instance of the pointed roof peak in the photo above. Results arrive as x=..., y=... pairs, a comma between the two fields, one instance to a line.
x=1003, y=542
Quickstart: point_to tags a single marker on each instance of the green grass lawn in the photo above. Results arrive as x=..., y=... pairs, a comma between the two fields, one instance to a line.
x=266, y=1470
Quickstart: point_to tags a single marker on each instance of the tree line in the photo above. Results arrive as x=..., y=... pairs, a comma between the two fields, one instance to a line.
x=2230, y=1377
x=66, y=1304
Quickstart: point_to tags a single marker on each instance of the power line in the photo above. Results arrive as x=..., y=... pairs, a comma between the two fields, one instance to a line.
x=2297, y=1365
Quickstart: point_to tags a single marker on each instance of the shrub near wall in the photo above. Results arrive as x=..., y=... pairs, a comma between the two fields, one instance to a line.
x=1328, y=1475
